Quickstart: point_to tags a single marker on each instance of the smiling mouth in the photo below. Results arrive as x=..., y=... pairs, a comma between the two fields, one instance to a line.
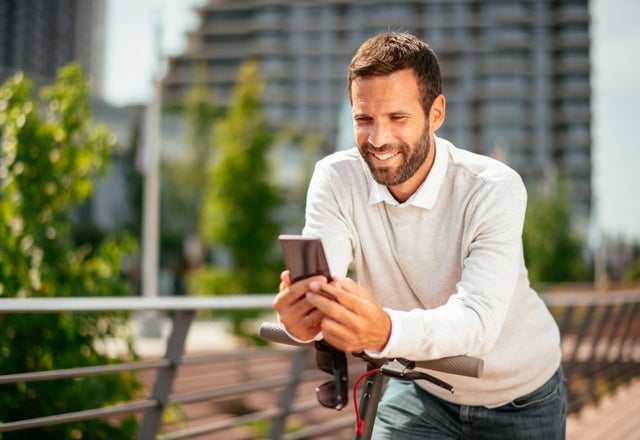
x=384, y=156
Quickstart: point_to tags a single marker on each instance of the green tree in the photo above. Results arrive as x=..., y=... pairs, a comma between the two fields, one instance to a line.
x=240, y=201
x=184, y=178
x=631, y=272
x=552, y=245
x=201, y=111
x=50, y=155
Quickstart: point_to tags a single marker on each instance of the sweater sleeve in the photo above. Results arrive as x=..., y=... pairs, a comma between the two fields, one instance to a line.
x=325, y=218
x=471, y=320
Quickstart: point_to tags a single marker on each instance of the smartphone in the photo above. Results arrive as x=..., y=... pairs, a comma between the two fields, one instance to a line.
x=304, y=257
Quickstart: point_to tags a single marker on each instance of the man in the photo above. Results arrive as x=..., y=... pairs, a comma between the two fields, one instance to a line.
x=434, y=235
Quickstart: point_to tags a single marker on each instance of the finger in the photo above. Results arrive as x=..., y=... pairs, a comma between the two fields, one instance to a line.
x=283, y=299
x=289, y=298
x=324, y=292
x=354, y=288
x=355, y=322
x=314, y=318
x=291, y=304
x=290, y=293
x=337, y=293
x=356, y=336
x=330, y=291
x=296, y=316
x=301, y=318
x=340, y=337
x=285, y=280
x=332, y=308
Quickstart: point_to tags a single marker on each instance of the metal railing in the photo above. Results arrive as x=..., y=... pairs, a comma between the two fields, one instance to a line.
x=183, y=311
x=600, y=341
x=600, y=337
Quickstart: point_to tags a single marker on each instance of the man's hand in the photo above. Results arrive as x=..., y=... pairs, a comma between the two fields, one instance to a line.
x=354, y=321
x=297, y=314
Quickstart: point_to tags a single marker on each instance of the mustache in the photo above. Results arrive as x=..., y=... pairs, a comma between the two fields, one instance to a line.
x=386, y=148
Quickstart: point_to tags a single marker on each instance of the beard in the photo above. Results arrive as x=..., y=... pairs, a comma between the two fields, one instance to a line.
x=413, y=159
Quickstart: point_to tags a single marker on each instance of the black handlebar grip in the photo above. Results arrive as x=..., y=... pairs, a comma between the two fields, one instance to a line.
x=273, y=332
x=461, y=365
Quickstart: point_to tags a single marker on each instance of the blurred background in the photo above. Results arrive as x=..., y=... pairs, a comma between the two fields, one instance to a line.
x=547, y=87
x=157, y=148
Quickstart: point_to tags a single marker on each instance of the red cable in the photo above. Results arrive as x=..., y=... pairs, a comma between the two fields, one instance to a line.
x=359, y=421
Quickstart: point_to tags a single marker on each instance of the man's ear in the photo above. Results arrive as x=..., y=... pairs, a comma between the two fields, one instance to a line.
x=437, y=112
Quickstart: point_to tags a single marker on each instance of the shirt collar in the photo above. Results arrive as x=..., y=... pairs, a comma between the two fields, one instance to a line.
x=427, y=193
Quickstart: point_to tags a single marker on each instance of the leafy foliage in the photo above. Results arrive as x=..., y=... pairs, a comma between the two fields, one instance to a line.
x=240, y=200
x=632, y=271
x=50, y=156
x=552, y=246
x=186, y=177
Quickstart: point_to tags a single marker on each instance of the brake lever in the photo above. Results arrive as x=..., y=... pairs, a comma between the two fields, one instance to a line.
x=403, y=369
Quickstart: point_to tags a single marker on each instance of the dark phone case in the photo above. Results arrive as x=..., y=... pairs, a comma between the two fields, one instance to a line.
x=304, y=256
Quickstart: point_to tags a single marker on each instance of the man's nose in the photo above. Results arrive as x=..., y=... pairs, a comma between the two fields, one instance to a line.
x=379, y=135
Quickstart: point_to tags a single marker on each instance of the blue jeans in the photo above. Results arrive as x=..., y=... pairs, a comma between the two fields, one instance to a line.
x=407, y=411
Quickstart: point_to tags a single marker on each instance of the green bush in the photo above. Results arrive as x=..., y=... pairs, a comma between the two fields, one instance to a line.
x=50, y=156
x=552, y=245
x=241, y=202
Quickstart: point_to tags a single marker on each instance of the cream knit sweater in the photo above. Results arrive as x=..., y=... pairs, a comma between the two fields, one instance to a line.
x=447, y=265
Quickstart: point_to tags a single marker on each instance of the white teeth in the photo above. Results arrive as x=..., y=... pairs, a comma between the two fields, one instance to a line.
x=385, y=156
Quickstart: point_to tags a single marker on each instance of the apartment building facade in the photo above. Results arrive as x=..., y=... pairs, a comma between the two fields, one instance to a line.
x=40, y=36
x=516, y=72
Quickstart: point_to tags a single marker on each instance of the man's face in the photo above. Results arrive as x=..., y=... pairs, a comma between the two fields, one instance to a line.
x=391, y=131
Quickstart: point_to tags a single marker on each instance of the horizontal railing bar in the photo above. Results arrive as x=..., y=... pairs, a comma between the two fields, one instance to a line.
x=221, y=425
x=230, y=391
x=234, y=355
x=301, y=407
x=83, y=371
x=591, y=299
x=218, y=393
x=124, y=409
x=70, y=373
x=135, y=303
x=242, y=302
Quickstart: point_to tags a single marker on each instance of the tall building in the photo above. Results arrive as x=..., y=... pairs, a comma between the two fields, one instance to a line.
x=516, y=72
x=40, y=36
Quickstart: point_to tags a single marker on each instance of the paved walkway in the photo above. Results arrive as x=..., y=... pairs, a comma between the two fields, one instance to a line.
x=616, y=417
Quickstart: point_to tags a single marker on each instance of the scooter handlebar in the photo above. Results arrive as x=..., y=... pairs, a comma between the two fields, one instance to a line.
x=460, y=365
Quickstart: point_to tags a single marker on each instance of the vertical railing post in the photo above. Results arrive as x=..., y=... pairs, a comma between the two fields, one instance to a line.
x=164, y=381
x=615, y=341
x=298, y=365
x=628, y=342
x=565, y=323
x=572, y=361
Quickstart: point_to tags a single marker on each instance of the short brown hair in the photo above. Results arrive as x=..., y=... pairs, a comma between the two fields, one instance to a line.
x=390, y=52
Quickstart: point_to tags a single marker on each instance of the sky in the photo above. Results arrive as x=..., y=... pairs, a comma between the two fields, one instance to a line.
x=131, y=61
